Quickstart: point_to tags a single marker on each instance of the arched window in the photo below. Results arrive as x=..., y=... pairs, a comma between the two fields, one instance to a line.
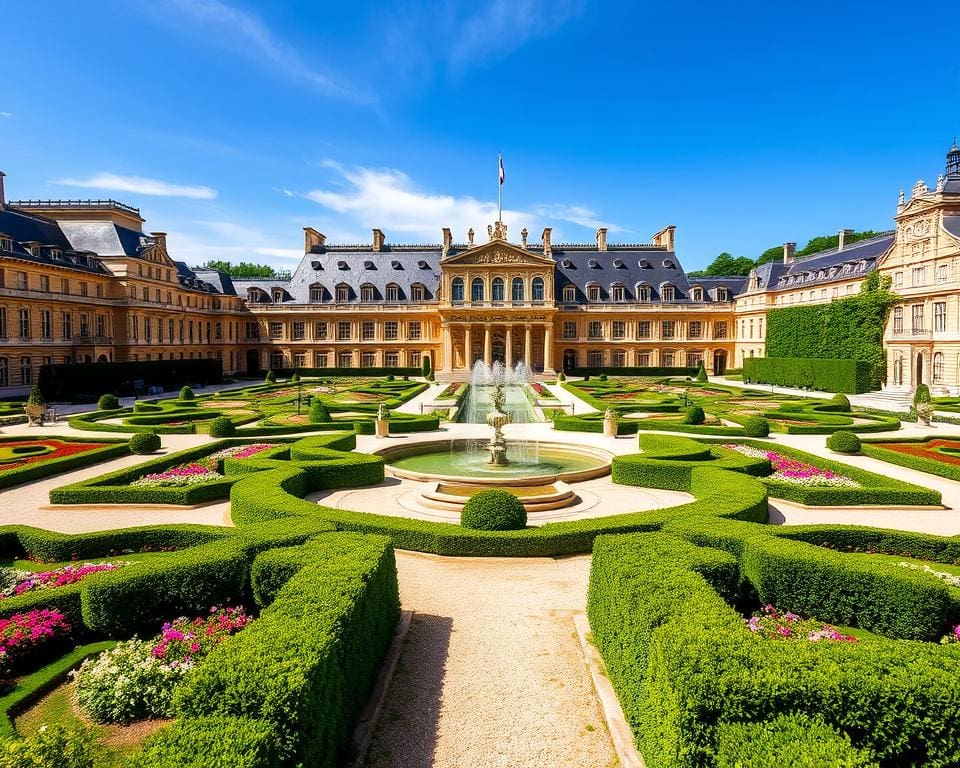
x=476, y=289
x=456, y=289
x=367, y=293
x=418, y=292
x=667, y=292
x=26, y=370
x=938, y=368
x=253, y=295
x=593, y=292
x=516, y=290
x=497, y=289
x=643, y=292
x=316, y=293
x=569, y=293
x=617, y=292
x=536, y=289
x=696, y=293
x=343, y=293
x=277, y=295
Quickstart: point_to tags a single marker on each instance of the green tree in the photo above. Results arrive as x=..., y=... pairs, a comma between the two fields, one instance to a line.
x=726, y=265
x=242, y=270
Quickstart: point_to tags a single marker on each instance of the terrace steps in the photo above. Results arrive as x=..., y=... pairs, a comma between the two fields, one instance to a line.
x=894, y=400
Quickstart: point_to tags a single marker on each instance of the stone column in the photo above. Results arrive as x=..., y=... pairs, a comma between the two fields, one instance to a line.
x=508, y=357
x=487, y=345
x=467, y=348
x=447, y=349
x=548, y=347
x=528, y=347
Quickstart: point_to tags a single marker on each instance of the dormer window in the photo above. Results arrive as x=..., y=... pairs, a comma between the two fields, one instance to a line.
x=617, y=292
x=593, y=292
x=418, y=292
x=316, y=265
x=316, y=293
x=423, y=264
x=369, y=264
x=396, y=265
x=566, y=264
x=569, y=293
x=668, y=292
x=618, y=263
x=723, y=294
x=277, y=294
x=6, y=244
x=342, y=265
x=593, y=264
x=55, y=253
x=343, y=293
x=696, y=294
x=668, y=264
x=643, y=264
x=643, y=293
x=367, y=293
x=393, y=292
x=253, y=295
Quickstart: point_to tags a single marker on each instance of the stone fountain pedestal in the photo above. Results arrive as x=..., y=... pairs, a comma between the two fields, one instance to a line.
x=498, y=419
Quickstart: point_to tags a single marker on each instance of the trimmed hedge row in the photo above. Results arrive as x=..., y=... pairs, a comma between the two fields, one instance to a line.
x=634, y=371
x=44, y=468
x=827, y=375
x=920, y=463
x=686, y=667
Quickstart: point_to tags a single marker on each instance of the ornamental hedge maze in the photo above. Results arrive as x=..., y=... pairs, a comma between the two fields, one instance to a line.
x=664, y=405
x=729, y=641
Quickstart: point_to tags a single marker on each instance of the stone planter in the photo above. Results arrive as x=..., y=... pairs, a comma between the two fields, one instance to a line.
x=609, y=424
x=35, y=414
x=924, y=413
x=382, y=428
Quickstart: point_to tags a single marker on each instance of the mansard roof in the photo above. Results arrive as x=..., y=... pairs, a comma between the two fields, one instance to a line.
x=104, y=238
x=827, y=266
x=24, y=228
x=357, y=266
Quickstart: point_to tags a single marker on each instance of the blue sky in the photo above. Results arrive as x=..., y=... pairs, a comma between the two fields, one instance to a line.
x=233, y=124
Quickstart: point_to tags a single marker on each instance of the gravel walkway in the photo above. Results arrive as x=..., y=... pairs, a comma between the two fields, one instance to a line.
x=491, y=675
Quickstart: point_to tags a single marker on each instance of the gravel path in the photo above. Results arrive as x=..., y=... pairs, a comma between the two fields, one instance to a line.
x=491, y=674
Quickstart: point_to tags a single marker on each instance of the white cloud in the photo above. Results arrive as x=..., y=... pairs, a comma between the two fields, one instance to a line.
x=202, y=241
x=248, y=35
x=389, y=199
x=140, y=185
x=6, y=114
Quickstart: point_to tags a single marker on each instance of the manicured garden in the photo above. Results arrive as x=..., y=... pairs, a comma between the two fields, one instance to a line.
x=23, y=459
x=269, y=409
x=938, y=456
x=671, y=405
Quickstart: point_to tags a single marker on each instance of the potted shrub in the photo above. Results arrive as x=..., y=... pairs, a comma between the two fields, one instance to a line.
x=36, y=407
x=923, y=405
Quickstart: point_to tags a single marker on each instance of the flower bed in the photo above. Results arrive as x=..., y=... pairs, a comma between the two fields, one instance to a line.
x=20, y=582
x=795, y=472
x=17, y=453
x=770, y=623
x=192, y=473
x=135, y=680
x=23, y=634
x=947, y=578
x=451, y=390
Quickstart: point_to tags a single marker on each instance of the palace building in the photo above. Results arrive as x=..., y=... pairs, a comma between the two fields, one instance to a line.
x=81, y=281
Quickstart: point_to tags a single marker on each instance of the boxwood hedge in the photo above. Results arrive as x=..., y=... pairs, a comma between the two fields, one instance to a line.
x=36, y=470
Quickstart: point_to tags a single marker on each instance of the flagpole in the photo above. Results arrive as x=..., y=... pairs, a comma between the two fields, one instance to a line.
x=499, y=189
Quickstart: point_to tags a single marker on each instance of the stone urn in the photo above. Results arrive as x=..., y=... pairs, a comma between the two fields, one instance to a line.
x=382, y=424
x=924, y=413
x=35, y=413
x=609, y=423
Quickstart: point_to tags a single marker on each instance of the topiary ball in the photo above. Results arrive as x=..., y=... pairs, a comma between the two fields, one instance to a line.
x=271, y=378
x=108, y=403
x=756, y=426
x=295, y=378
x=694, y=415
x=561, y=376
x=841, y=400
x=144, y=442
x=319, y=413
x=603, y=377
x=843, y=441
x=391, y=377
x=494, y=510
x=186, y=393
x=222, y=426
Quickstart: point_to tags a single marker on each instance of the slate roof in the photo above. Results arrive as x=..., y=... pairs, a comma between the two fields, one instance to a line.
x=221, y=281
x=356, y=268
x=103, y=237
x=27, y=227
x=952, y=225
x=825, y=267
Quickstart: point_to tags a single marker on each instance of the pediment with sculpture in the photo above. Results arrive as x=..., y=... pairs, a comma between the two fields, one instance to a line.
x=498, y=252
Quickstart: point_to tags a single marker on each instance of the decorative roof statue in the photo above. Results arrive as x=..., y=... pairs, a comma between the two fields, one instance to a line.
x=523, y=236
x=470, y=234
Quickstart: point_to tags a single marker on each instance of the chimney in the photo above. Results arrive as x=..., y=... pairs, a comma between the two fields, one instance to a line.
x=447, y=240
x=666, y=238
x=602, y=239
x=3, y=200
x=161, y=238
x=547, y=248
x=789, y=249
x=844, y=234
x=312, y=239
x=523, y=237
x=377, y=240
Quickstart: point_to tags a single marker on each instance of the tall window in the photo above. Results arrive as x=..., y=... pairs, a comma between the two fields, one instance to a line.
x=345, y=359
x=720, y=329
x=343, y=294
x=393, y=292
x=368, y=360
x=595, y=329
x=26, y=370
x=276, y=329
x=940, y=316
x=938, y=368
x=516, y=289
x=319, y=359
x=695, y=329
x=537, y=289
x=44, y=283
x=593, y=292
x=391, y=330
x=366, y=293
x=3, y=323
x=595, y=358
x=476, y=289
x=343, y=331
x=898, y=320
x=413, y=330
x=618, y=358
x=943, y=273
x=24, y=323
x=916, y=312
x=569, y=293
x=569, y=329
x=4, y=372
x=497, y=289
x=67, y=325
x=643, y=329
x=456, y=289
x=666, y=359
x=919, y=275
x=320, y=332
x=619, y=329
x=299, y=330
x=643, y=359
x=391, y=359
x=46, y=326
x=668, y=329
x=367, y=330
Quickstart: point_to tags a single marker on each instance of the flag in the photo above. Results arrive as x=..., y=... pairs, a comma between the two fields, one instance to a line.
x=502, y=176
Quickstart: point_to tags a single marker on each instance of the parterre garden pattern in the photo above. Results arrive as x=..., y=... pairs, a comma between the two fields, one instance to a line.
x=721, y=634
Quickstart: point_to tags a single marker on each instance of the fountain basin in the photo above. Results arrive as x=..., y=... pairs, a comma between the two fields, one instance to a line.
x=465, y=462
x=535, y=498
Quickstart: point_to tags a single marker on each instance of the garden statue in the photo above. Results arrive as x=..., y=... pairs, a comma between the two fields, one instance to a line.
x=497, y=419
x=609, y=423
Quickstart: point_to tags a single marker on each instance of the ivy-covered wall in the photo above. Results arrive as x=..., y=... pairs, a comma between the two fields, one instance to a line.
x=846, y=329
